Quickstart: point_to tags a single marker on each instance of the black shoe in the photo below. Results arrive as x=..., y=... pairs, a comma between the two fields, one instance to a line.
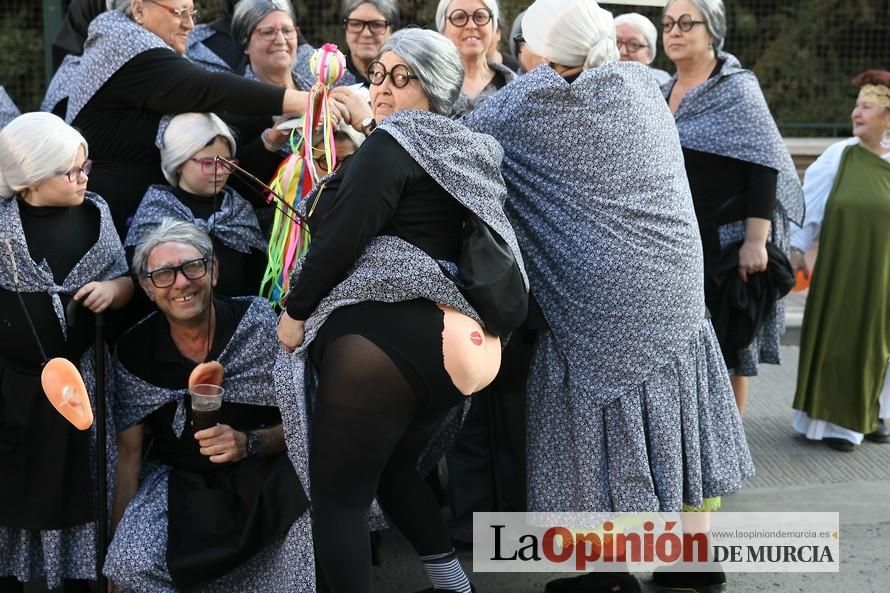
x=595, y=582
x=669, y=580
x=881, y=435
x=840, y=444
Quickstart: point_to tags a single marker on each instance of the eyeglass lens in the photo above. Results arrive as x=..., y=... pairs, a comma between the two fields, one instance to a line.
x=376, y=27
x=270, y=33
x=685, y=22
x=400, y=75
x=632, y=45
x=166, y=277
x=480, y=16
x=73, y=174
x=211, y=165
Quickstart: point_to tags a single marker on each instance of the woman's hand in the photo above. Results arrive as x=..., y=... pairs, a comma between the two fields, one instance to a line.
x=222, y=443
x=290, y=332
x=752, y=258
x=356, y=106
x=798, y=261
x=96, y=296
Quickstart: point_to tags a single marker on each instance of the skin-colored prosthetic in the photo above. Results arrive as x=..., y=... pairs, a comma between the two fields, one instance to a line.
x=206, y=373
x=65, y=390
x=472, y=356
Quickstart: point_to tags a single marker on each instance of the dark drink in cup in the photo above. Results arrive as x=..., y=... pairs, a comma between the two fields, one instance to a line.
x=206, y=406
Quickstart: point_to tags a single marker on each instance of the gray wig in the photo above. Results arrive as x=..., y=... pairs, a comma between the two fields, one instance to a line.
x=644, y=26
x=188, y=133
x=388, y=8
x=169, y=230
x=441, y=17
x=434, y=60
x=248, y=14
x=35, y=147
x=715, y=19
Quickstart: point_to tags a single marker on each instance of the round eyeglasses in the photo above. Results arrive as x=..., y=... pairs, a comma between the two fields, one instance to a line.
x=210, y=165
x=460, y=18
x=400, y=75
x=376, y=27
x=632, y=45
x=166, y=277
x=685, y=22
x=73, y=174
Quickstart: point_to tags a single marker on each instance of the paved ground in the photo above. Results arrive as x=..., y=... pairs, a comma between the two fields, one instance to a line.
x=792, y=474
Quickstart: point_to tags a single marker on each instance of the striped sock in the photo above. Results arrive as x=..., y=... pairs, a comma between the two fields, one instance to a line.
x=446, y=573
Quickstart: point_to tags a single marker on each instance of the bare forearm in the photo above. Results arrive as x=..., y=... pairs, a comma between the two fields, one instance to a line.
x=123, y=288
x=757, y=230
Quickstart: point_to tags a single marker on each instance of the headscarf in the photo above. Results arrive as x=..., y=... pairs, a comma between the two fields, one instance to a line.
x=570, y=32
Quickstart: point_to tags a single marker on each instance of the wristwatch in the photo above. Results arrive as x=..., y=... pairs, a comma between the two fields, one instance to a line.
x=254, y=444
x=368, y=125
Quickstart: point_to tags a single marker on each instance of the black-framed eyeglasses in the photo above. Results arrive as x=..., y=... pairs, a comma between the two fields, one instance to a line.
x=400, y=75
x=73, y=174
x=210, y=165
x=376, y=27
x=166, y=277
x=519, y=40
x=460, y=18
x=183, y=14
x=632, y=45
x=685, y=22
x=270, y=33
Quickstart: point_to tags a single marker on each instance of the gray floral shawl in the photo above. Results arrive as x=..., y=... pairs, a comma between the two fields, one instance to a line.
x=247, y=378
x=601, y=205
x=105, y=260
x=113, y=40
x=8, y=110
x=234, y=223
x=727, y=115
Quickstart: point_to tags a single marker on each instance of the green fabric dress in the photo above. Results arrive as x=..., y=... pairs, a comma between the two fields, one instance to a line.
x=845, y=339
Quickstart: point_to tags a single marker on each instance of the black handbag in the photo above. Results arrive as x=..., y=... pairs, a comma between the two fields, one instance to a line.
x=490, y=279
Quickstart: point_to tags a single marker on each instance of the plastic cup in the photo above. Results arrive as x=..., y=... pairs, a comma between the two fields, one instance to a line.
x=206, y=405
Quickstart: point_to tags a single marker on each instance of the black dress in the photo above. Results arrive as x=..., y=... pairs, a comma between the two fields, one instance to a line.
x=121, y=120
x=44, y=460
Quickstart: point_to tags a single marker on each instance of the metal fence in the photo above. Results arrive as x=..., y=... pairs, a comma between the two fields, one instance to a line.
x=803, y=51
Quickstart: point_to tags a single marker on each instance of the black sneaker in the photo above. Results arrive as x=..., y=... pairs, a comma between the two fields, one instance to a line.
x=671, y=581
x=595, y=582
x=881, y=435
x=840, y=444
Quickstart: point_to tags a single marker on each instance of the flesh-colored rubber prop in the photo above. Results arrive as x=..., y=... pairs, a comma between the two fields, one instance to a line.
x=472, y=356
x=207, y=373
x=65, y=390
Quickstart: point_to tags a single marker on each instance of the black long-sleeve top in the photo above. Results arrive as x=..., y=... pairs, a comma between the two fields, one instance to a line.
x=121, y=120
x=725, y=189
x=382, y=191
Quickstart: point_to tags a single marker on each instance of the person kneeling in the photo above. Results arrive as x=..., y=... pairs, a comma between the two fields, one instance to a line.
x=220, y=500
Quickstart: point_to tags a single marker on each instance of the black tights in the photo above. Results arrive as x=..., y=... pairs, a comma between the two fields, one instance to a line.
x=13, y=585
x=368, y=430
